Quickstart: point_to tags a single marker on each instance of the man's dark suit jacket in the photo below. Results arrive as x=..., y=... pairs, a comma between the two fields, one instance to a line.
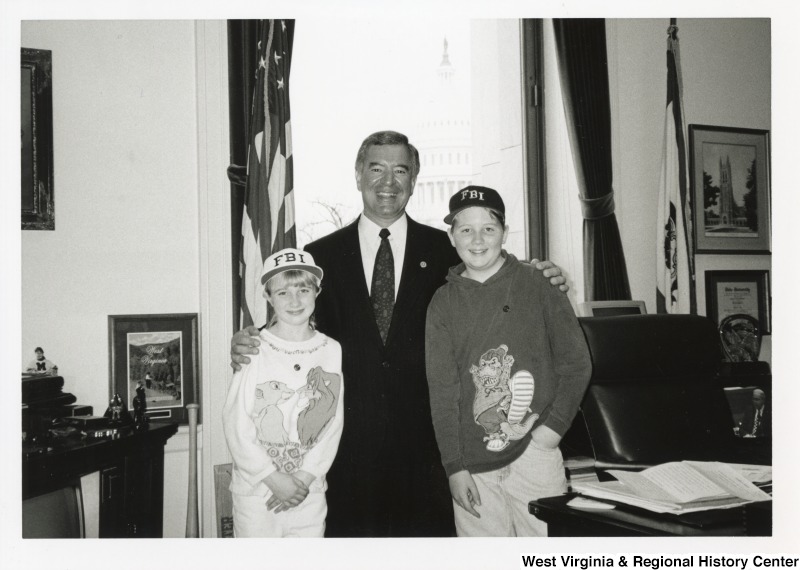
x=764, y=428
x=387, y=478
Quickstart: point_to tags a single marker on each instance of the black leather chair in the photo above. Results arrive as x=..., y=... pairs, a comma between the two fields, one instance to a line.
x=654, y=395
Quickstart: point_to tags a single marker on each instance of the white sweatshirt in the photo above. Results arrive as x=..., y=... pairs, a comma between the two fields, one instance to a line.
x=284, y=412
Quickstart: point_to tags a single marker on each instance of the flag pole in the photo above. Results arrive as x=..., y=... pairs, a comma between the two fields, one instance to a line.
x=675, y=282
x=688, y=205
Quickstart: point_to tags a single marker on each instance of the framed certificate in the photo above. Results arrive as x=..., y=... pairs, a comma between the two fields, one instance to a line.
x=739, y=293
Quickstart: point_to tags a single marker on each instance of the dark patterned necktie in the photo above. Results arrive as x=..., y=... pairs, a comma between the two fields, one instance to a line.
x=382, y=292
x=756, y=422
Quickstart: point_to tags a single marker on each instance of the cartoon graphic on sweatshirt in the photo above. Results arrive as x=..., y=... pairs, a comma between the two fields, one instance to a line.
x=269, y=417
x=277, y=419
x=321, y=393
x=502, y=401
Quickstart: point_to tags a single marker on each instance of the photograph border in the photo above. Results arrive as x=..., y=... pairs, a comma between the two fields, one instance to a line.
x=758, y=276
x=609, y=308
x=118, y=328
x=700, y=134
x=40, y=91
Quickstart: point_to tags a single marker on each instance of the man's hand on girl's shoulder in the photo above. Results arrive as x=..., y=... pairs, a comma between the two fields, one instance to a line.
x=245, y=341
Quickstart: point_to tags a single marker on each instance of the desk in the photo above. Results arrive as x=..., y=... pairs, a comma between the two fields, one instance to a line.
x=562, y=520
x=131, y=470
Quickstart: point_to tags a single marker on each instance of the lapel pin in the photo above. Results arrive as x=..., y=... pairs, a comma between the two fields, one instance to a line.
x=423, y=264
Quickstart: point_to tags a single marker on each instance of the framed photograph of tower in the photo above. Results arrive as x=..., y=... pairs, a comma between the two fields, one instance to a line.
x=730, y=179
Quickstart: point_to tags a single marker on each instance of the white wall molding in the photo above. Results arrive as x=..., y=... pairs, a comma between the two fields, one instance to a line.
x=215, y=246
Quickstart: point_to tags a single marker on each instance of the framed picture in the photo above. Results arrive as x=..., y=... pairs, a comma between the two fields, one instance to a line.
x=160, y=353
x=730, y=179
x=734, y=292
x=36, y=135
x=611, y=308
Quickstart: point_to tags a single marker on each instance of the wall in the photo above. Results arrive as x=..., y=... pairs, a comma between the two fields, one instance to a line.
x=726, y=81
x=126, y=201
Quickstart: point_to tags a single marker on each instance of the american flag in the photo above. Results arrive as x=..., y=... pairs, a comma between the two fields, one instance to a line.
x=674, y=261
x=268, y=221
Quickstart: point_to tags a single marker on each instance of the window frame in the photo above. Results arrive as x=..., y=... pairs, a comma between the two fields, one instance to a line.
x=534, y=174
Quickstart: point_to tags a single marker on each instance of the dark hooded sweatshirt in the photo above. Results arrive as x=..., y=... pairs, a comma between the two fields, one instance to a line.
x=502, y=358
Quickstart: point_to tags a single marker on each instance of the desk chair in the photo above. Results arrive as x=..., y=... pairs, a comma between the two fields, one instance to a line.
x=653, y=395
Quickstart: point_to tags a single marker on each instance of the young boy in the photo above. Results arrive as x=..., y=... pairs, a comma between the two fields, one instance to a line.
x=507, y=366
x=283, y=413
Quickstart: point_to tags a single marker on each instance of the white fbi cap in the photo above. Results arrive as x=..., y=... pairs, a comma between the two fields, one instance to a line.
x=287, y=259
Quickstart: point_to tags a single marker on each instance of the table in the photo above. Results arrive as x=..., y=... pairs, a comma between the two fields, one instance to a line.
x=562, y=520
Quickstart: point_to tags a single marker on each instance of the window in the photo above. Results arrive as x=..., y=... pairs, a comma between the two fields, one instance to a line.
x=327, y=131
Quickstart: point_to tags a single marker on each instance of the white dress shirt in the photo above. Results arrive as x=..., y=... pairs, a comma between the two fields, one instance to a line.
x=370, y=241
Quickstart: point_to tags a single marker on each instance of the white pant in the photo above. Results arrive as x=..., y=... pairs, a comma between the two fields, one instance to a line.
x=251, y=519
x=505, y=492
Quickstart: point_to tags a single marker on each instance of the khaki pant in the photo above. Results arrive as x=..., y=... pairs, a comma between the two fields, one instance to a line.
x=505, y=492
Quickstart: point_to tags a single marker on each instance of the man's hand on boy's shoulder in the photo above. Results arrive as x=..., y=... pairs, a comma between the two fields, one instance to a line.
x=552, y=272
x=244, y=342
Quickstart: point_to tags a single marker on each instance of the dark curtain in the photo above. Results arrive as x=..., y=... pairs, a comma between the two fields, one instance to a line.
x=242, y=53
x=583, y=69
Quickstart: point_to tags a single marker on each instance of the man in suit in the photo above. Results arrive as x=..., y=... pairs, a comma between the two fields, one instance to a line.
x=757, y=420
x=387, y=479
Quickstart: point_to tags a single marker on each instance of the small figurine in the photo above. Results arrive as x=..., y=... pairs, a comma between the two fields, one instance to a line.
x=139, y=406
x=117, y=411
x=40, y=365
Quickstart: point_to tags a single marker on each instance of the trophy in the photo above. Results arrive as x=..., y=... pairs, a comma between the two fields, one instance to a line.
x=741, y=338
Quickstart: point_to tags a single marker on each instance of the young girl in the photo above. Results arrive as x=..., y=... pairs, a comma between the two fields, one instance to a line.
x=283, y=413
x=507, y=366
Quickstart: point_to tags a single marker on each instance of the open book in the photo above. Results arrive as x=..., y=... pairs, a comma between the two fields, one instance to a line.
x=678, y=487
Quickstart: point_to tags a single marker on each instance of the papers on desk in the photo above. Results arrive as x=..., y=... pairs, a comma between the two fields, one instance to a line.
x=758, y=474
x=681, y=487
x=587, y=504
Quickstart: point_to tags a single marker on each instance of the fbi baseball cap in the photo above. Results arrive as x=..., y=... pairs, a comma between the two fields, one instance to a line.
x=287, y=259
x=475, y=196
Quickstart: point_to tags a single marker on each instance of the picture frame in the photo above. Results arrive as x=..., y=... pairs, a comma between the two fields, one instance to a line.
x=611, y=308
x=730, y=180
x=36, y=133
x=732, y=292
x=160, y=352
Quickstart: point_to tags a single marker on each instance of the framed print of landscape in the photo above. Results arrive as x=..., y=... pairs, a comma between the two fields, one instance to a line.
x=160, y=354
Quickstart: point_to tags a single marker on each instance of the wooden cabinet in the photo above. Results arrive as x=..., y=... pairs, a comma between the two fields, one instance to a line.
x=131, y=471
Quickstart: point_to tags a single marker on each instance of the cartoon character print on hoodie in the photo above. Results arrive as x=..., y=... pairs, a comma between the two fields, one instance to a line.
x=502, y=401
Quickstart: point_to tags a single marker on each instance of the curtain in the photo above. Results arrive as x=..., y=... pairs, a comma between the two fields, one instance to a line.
x=583, y=70
x=242, y=60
